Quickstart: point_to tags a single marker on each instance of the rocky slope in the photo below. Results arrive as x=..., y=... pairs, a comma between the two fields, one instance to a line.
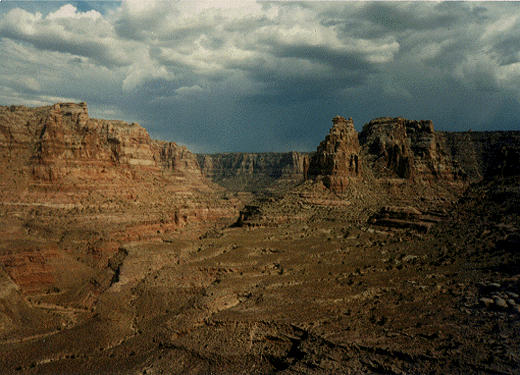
x=331, y=292
x=74, y=190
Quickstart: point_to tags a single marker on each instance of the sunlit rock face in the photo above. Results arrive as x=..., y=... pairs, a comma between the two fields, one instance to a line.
x=73, y=189
x=337, y=158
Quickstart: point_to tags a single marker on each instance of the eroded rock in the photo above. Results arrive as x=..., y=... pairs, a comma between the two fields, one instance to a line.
x=337, y=159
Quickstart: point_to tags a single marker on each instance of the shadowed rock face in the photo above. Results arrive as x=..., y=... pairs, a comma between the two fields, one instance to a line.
x=396, y=147
x=481, y=154
x=337, y=157
x=387, y=148
x=254, y=171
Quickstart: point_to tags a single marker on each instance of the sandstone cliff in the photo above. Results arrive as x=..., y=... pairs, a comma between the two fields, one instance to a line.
x=61, y=139
x=406, y=149
x=74, y=189
x=61, y=144
x=254, y=171
x=336, y=160
x=397, y=148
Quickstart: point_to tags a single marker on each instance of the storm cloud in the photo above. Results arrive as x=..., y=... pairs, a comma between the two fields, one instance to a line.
x=265, y=76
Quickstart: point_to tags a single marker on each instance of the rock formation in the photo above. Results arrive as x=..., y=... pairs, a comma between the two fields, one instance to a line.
x=254, y=171
x=480, y=154
x=406, y=217
x=337, y=160
x=397, y=147
x=409, y=150
x=61, y=143
x=74, y=188
x=385, y=265
x=176, y=160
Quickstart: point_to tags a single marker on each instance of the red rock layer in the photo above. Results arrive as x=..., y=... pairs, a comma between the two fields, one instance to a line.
x=79, y=188
x=337, y=160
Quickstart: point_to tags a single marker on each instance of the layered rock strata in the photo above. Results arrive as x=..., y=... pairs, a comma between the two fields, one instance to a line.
x=74, y=189
x=61, y=143
x=176, y=159
x=406, y=217
x=254, y=171
x=408, y=150
x=337, y=158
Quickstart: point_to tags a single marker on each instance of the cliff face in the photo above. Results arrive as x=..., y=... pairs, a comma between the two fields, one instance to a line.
x=387, y=148
x=176, y=159
x=74, y=189
x=337, y=160
x=61, y=144
x=484, y=154
x=254, y=171
x=397, y=148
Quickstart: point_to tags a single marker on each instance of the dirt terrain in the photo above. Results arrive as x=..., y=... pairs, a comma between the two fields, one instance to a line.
x=398, y=254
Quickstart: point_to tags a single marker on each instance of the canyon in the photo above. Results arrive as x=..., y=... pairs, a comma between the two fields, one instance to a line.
x=390, y=250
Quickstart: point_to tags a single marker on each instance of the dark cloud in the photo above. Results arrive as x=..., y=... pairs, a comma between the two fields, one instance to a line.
x=241, y=76
x=412, y=16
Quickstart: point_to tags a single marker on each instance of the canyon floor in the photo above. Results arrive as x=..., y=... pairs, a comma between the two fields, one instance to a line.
x=312, y=282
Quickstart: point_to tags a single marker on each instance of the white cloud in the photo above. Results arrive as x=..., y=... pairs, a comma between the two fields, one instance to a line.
x=69, y=12
x=143, y=70
x=69, y=31
x=190, y=91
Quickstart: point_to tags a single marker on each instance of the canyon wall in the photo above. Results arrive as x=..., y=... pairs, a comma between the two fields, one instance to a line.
x=61, y=144
x=58, y=157
x=386, y=148
x=254, y=171
x=74, y=190
x=397, y=148
x=484, y=154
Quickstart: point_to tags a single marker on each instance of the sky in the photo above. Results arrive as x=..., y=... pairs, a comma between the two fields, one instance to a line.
x=235, y=76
